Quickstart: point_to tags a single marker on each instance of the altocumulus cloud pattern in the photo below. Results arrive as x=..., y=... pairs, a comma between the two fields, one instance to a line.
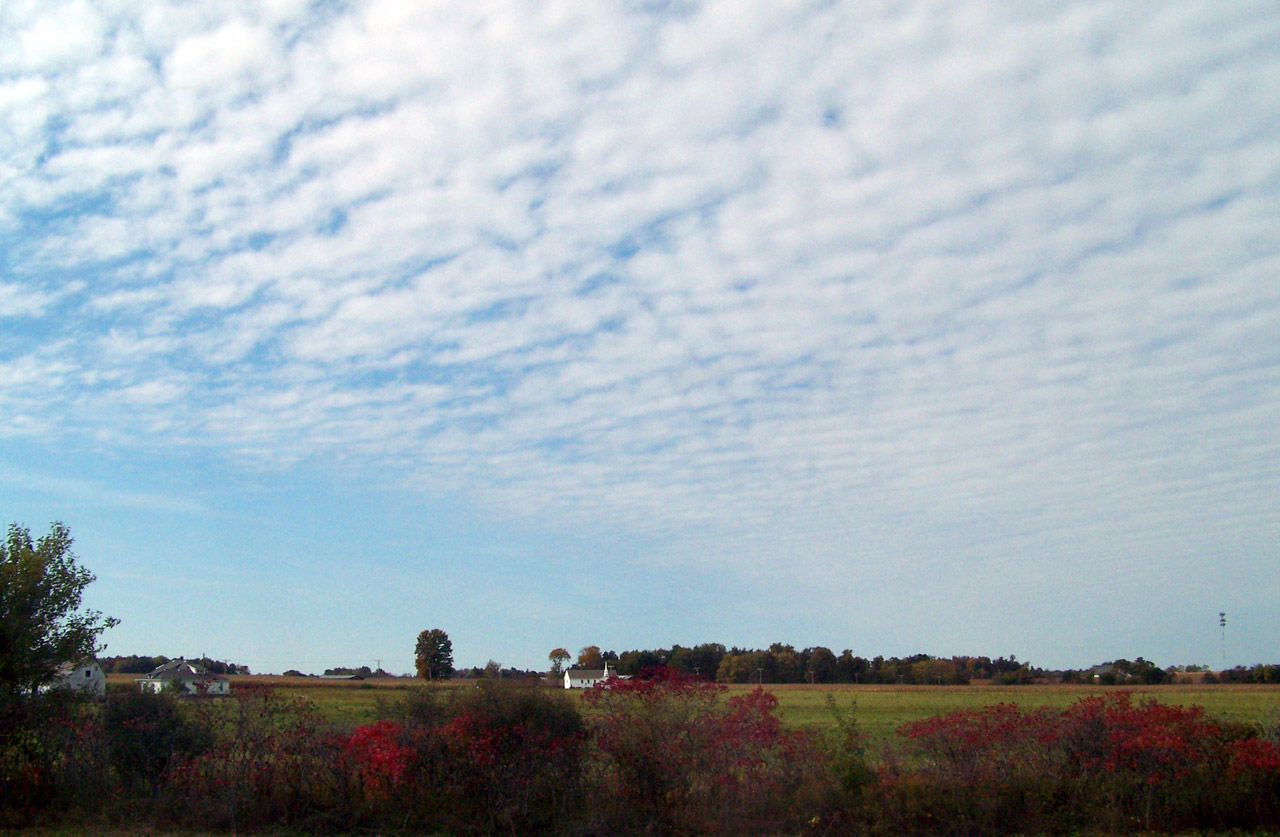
x=975, y=297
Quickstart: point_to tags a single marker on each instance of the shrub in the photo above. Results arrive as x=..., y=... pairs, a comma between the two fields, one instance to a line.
x=847, y=756
x=144, y=733
x=1104, y=762
x=415, y=708
x=51, y=756
x=508, y=759
x=673, y=756
x=271, y=763
x=977, y=771
x=378, y=758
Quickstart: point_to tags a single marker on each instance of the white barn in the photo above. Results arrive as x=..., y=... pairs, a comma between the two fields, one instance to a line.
x=85, y=676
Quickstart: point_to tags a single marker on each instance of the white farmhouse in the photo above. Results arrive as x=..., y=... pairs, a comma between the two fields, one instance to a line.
x=585, y=678
x=187, y=678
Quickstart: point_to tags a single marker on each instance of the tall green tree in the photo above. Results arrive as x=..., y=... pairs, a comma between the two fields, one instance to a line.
x=41, y=623
x=558, y=657
x=434, y=654
x=822, y=664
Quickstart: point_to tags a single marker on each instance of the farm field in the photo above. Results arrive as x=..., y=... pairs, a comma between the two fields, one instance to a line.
x=879, y=709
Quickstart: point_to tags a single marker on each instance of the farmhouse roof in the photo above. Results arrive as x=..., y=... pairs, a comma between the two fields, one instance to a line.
x=596, y=673
x=182, y=670
x=68, y=668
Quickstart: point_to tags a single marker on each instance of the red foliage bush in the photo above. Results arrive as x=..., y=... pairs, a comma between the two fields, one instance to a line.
x=1254, y=756
x=502, y=758
x=1103, y=762
x=377, y=757
x=674, y=756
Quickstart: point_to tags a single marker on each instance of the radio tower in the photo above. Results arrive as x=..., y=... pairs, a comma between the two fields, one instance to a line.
x=1222, y=625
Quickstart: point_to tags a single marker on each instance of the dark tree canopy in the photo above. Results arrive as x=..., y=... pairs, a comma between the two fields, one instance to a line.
x=434, y=654
x=590, y=657
x=41, y=624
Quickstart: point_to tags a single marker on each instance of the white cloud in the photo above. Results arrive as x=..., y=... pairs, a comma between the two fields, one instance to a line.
x=20, y=301
x=59, y=35
x=848, y=271
x=236, y=53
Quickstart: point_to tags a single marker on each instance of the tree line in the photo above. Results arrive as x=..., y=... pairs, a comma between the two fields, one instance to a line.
x=783, y=663
x=142, y=664
x=1261, y=673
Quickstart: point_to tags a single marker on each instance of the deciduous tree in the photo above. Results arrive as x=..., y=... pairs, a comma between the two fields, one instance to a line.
x=822, y=664
x=41, y=623
x=434, y=654
x=590, y=657
x=558, y=657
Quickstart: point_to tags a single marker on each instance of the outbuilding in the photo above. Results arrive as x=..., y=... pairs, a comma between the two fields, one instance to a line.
x=85, y=677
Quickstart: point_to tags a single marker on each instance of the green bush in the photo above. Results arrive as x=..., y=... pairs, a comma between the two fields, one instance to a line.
x=145, y=733
x=271, y=763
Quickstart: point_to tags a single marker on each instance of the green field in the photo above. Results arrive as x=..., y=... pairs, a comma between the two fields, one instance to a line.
x=878, y=709
x=881, y=709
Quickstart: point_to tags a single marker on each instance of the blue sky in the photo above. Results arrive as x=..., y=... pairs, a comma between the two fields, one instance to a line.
x=944, y=327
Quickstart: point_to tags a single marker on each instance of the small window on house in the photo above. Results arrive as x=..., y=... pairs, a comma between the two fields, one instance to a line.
x=87, y=672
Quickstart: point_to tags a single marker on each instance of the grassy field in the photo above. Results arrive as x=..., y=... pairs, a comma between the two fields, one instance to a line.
x=879, y=709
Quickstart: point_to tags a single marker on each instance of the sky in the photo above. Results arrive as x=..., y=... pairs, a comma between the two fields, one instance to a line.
x=902, y=326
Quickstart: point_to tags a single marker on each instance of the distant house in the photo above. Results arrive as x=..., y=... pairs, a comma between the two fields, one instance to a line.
x=85, y=676
x=1109, y=674
x=585, y=678
x=186, y=678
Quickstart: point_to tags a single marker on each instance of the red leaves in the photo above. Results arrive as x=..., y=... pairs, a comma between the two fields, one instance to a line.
x=1253, y=755
x=677, y=753
x=660, y=684
x=981, y=729
x=1150, y=742
x=378, y=756
x=1143, y=762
